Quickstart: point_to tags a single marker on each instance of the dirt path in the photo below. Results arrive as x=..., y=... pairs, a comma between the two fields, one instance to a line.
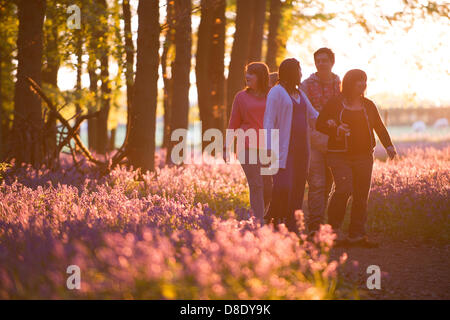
x=409, y=270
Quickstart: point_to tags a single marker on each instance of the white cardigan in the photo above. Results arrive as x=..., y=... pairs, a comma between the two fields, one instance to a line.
x=278, y=115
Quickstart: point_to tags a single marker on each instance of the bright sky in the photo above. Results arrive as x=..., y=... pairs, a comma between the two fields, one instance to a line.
x=412, y=64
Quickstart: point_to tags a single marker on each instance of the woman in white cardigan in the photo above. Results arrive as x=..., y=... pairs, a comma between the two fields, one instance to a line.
x=289, y=111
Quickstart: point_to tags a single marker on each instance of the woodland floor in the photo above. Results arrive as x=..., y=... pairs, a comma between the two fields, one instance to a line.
x=410, y=270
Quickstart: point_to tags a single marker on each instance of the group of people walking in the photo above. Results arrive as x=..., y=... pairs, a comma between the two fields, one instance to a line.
x=326, y=135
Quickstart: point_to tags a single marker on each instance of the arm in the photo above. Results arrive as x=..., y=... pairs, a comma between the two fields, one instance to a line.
x=311, y=111
x=235, y=121
x=324, y=116
x=235, y=118
x=380, y=128
x=270, y=116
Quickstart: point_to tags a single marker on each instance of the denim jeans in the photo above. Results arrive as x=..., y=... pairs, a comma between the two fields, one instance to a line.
x=352, y=176
x=320, y=182
x=260, y=187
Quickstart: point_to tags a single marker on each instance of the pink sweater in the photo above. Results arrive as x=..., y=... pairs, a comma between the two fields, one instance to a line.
x=248, y=113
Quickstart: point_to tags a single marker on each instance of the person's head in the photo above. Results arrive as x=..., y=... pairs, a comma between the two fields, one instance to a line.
x=324, y=60
x=257, y=77
x=290, y=74
x=354, y=84
x=273, y=78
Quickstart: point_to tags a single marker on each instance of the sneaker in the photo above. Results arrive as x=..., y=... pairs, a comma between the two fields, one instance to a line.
x=362, y=241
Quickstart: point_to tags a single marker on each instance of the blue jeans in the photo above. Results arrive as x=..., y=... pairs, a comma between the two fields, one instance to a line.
x=260, y=186
x=320, y=182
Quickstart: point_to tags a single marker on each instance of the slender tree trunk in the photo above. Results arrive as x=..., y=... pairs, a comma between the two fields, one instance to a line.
x=217, y=58
x=28, y=123
x=259, y=18
x=141, y=144
x=165, y=60
x=92, y=122
x=129, y=51
x=181, y=69
x=105, y=101
x=203, y=64
x=2, y=113
x=273, y=41
x=112, y=139
x=50, y=71
x=239, y=52
x=79, y=51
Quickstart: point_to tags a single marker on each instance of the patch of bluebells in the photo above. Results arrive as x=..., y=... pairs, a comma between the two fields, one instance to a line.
x=156, y=237
x=187, y=233
x=410, y=196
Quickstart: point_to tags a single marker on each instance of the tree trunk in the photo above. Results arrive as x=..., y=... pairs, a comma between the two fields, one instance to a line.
x=92, y=107
x=141, y=143
x=129, y=51
x=202, y=65
x=259, y=18
x=165, y=60
x=79, y=52
x=112, y=140
x=28, y=123
x=105, y=101
x=2, y=114
x=181, y=69
x=239, y=52
x=217, y=58
x=273, y=41
x=210, y=65
x=50, y=70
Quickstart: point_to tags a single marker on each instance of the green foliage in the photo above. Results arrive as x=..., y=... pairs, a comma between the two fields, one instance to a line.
x=3, y=167
x=8, y=35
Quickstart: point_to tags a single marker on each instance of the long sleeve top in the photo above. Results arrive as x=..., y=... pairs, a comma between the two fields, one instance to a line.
x=278, y=116
x=248, y=113
x=334, y=110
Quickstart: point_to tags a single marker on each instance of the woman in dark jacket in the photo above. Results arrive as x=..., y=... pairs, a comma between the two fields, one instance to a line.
x=350, y=121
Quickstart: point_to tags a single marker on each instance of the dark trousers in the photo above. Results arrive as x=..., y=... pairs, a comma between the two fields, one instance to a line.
x=352, y=176
x=288, y=191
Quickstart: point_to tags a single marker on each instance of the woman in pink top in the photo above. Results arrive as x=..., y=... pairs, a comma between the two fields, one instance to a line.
x=247, y=113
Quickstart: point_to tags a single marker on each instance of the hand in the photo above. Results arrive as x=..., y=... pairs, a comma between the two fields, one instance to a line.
x=343, y=129
x=331, y=123
x=391, y=152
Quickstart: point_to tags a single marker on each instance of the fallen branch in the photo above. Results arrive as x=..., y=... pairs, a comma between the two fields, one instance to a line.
x=72, y=133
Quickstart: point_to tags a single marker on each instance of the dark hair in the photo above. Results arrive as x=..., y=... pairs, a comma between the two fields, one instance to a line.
x=289, y=74
x=261, y=71
x=327, y=51
x=350, y=78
